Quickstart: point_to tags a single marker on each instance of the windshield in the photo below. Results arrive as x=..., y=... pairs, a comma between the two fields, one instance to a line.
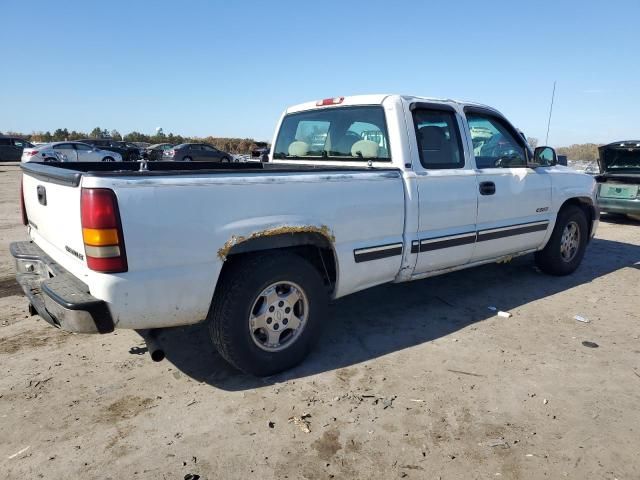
x=618, y=157
x=343, y=133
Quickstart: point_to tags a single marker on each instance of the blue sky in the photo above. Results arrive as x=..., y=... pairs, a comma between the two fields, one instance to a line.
x=229, y=68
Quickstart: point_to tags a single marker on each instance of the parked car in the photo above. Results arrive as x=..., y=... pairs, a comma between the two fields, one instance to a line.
x=69, y=152
x=196, y=152
x=619, y=179
x=155, y=152
x=257, y=250
x=11, y=148
x=261, y=152
x=128, y=151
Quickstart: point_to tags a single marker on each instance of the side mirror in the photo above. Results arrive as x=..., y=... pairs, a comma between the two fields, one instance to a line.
x=545, y=156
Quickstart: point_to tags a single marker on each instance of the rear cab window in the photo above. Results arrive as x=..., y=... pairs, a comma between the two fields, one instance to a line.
x=337, y=133
x=439, y=139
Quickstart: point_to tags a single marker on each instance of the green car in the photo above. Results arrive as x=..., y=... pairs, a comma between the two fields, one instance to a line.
x=619, y=179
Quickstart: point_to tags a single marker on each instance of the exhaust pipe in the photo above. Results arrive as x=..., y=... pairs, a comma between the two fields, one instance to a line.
x=153, y=347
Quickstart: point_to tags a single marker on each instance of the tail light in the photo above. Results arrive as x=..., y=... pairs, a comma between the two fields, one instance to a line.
x=33, y=152
x=23, y=210
x=102, y=231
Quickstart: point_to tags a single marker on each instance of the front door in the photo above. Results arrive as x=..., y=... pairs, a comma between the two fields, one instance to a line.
x=210, y=153
x=447, y=190
x=86, y=153
x=513, y=200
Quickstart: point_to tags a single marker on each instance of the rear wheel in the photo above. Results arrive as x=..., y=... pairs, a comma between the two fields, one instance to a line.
x=565, y=249
x=267, y=312
x=108, y=159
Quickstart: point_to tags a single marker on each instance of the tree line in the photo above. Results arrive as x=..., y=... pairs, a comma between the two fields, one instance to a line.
x=231, y=145
x=579, y=151
x=582, y=151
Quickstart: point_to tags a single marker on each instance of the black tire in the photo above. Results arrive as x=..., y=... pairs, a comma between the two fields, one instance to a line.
x=108, y=159
x=550, y=259
x=241, y=285
x=132, y=157
x=187, y=159
x=225, y=160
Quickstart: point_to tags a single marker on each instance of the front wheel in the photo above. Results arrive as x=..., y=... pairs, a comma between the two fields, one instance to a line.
x=108, y=159
x=186, y=159
x=267, y=312
x=564, y=250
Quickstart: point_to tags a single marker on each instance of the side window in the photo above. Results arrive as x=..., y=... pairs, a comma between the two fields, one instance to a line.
x=5, y=141
x=19, y=143
x=207, y=148
x=82, y=147
x=494, y=145
x=63, y=146
x=438, y=138
x=195, y=147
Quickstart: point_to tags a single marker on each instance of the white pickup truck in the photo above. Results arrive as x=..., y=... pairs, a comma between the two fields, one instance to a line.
x=358, y=191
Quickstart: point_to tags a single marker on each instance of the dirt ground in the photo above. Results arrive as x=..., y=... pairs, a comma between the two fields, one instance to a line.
x=418, y=380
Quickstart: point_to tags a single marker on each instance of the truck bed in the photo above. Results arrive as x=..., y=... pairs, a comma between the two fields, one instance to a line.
x=180, y=220
x=70, y=173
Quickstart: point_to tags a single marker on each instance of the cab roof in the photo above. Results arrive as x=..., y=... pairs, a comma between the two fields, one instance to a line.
x=378, y=99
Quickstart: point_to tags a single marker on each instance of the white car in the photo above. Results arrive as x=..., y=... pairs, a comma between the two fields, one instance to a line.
x=69, y=152
x=358, y=191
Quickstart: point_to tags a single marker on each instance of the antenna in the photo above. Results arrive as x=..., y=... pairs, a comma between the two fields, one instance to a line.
x=553, y=96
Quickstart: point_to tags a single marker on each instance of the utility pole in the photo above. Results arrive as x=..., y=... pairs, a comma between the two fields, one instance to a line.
x=553, y=96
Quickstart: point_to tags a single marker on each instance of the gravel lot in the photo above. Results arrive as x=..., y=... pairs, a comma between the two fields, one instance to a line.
x=418, y=380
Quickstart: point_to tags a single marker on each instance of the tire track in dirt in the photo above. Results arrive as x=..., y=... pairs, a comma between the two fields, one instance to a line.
x=9, y=287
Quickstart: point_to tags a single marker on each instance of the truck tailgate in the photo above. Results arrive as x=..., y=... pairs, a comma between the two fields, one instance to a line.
x=53, y=213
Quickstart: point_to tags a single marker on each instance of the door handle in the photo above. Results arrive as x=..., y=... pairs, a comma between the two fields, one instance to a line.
x=487, y=188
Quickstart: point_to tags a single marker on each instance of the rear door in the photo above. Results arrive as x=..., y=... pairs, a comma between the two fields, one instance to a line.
x=68, y=150
x=513, y=200
x=447, y=189
x=196, y=153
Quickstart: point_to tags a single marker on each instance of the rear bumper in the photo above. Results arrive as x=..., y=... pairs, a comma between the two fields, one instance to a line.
x=617, y=205
x=61, y=299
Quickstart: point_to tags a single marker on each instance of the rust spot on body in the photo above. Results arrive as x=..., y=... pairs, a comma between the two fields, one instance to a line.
x=323, y=230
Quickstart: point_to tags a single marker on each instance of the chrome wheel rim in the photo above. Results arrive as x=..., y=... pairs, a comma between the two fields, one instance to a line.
x=278, y=316
x=570, y=241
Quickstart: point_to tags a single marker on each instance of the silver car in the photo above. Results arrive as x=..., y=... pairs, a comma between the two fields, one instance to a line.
x=69, y=152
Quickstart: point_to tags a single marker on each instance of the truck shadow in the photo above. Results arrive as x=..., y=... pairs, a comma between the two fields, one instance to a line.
x=393, y=317
x=618, y=219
